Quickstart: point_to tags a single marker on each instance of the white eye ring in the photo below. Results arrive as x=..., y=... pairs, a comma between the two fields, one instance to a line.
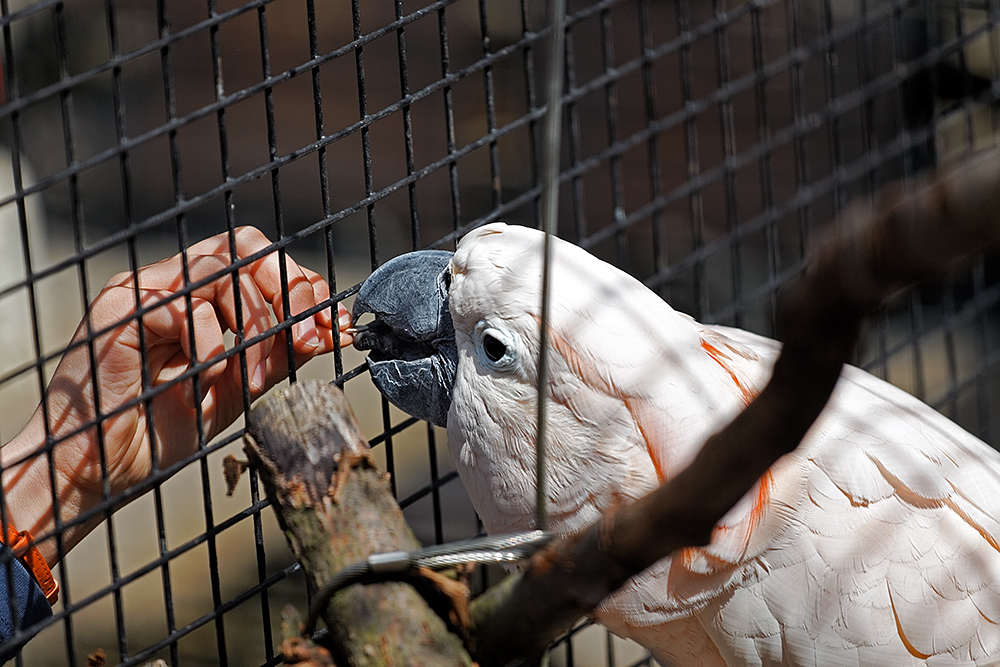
x=495, y=348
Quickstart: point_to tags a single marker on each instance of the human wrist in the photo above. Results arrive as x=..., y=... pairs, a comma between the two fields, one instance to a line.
x=28, y=495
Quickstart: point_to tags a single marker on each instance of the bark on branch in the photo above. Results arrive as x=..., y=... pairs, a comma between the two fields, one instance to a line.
x=337, y=509
x=870, y=253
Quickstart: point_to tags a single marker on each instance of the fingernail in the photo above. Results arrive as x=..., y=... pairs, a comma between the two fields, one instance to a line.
x=307, y=333
x=258, y=379
x=344, y=320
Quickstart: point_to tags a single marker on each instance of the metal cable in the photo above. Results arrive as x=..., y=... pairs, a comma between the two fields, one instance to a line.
x=550, y=218
x=491, y=549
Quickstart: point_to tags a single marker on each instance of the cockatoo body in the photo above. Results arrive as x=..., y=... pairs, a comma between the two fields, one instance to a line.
x=874, y=543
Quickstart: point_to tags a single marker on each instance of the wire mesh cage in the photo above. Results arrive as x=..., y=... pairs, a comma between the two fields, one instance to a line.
x=703, y=142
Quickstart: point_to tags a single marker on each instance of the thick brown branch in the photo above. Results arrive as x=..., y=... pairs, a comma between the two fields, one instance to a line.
x=869, y=254
x=337, y=509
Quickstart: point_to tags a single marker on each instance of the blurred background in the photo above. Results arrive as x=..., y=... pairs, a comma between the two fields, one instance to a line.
x=704, y=141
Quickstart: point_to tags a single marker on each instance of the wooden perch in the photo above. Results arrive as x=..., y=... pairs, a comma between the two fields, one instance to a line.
x=869, y=254
x=336, y=509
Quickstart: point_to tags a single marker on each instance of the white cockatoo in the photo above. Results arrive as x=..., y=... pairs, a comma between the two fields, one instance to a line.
x=873, y=543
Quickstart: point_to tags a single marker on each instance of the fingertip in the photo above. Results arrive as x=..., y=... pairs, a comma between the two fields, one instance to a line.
x=323, y=318
x=209, y=377
x=343, y=317
x=306, y=337
x=258, y=379
x=256, y=364
x=346, y=339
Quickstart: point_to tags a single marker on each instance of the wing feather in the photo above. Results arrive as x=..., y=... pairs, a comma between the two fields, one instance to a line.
x=891, y=556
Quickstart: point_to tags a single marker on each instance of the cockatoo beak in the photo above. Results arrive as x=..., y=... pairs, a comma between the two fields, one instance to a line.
x=412, y=341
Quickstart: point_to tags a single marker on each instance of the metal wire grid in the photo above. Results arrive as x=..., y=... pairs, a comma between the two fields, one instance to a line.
x=703, y=142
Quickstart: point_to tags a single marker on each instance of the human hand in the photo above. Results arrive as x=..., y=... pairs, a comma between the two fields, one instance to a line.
x=134, y=436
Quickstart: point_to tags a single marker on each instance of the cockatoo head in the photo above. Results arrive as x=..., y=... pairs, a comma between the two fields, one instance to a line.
x=412, y=341
x=490, y=285
x=482, y=305
x=633, y=386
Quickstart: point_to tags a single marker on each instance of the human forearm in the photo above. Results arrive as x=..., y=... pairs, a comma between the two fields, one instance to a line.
x=29, y=501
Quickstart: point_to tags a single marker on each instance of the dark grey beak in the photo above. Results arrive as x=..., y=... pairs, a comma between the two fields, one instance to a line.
x=412, y=340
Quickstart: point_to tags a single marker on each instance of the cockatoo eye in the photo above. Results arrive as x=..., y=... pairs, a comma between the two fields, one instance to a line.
x=497, y=348
x=494, y=348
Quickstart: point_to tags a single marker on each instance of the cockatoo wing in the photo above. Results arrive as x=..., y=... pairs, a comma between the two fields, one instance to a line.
x=877, y=545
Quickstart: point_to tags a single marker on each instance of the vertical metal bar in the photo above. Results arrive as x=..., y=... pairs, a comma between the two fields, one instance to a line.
x=695, y=206
x=491, y=112
x=324, y=179
x=917, y=328
x=404, y=85
x=866, y=109
x=959, y=8
x=230, y=213
x=169, y=96
x=574, y=143
x=125, y=168
x=660, y=257
x=764, y=138
x=279, y=229
x=435, y=486
x=950, y=355
x=984, y=395
x=993, y=12
x=359, y=60
x=272, y=152
x=531, y=99
x=830, y=73
x=550, y=218
x=449, y=121
x=611, y=119
x=728, y=130
x=16, y=141
x=794, y=17
x=77, y=217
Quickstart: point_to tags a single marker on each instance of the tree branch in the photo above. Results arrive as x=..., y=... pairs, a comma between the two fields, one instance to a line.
x=871, y=252
x=336, y=509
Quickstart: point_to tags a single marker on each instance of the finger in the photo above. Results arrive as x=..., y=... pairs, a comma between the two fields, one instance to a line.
x=246, y=241
x=213, y=257
x=343, y=324
x=250, y=319
x=321, y=292
x=170, y=337
x=168, y=274
x=305, y=288
x=324, y=320
x=267, y=275
x=256, y=320
x=208, y=343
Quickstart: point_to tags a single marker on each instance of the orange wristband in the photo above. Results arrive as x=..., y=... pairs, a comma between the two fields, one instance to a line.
x=23, y=546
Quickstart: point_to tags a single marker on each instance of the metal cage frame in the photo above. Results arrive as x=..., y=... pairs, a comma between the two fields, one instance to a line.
x=702, y=144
